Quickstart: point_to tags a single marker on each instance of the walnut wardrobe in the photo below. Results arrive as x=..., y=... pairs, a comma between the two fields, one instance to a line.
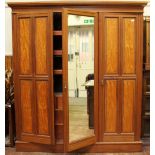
x=44, y=67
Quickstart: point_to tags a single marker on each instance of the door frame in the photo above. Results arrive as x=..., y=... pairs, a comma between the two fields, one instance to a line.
x=89, y=140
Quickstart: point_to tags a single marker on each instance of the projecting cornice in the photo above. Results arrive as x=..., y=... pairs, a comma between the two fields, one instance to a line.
x=78, y=2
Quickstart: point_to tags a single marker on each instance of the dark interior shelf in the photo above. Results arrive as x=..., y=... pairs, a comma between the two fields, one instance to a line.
x=58, y=109
x=57, y=33
x=58, y=52
x=58, y=94
x=59, y=72
x=59, y=124
x=146, y=117
x=147, y=93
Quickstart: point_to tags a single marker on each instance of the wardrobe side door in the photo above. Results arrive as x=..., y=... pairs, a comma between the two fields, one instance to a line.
x=118, y=76
x=34, y=78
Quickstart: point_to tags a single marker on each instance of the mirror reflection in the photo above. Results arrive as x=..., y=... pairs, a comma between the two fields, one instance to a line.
x=81, y=77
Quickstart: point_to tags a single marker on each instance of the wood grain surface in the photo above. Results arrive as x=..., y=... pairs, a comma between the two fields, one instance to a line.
x=40, y=45
x=112, y=51
x=42, y=107
x=25, y=46
x=128, y=105
x=110, y=106
x=26, y=106
x=129, y=50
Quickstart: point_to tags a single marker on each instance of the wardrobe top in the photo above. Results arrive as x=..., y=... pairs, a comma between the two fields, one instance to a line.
x=76, y=2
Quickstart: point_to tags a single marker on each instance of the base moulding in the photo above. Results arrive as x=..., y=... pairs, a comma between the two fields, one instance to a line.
x=99, y=147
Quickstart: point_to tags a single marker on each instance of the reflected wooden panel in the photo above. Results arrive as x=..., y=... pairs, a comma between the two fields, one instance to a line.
x=80, y=76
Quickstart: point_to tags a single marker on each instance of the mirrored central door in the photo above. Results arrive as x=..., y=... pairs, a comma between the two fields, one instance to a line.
x=81, y=78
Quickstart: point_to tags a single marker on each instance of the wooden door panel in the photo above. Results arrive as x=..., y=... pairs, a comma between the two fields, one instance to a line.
x=26, y=88
x=128, y=105
x=42, y=107
x=129, y=46
x=118, y=75
x=35, y=106
x=111, y=53
x=25, y=45
x=41, y=45
x=110, y=118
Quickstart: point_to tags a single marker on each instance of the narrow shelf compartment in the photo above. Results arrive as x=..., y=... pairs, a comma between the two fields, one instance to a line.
x=147, y=93
x=57, y=83
x=57, y=63
x=59, y=117
x=57, y=42
x=58, y=52
x=58, y=94
x=147, y=114
x=57, y=33
x=57, y=66
x=61, y=110
x=58, y=103
x=146, y=117
x=59, y=133
x=59, y=124
x=57, y=20
x=58, y=71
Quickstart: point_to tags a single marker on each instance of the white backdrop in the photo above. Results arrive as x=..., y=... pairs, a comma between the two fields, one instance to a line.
x=8, y=31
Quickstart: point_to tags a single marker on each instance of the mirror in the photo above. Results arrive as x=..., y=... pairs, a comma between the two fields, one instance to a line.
x=80, y=77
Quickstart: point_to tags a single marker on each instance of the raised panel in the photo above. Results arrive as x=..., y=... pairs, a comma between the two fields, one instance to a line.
x=111, y=45
x=41, y=45
x=129, y=46
x=124, y=137
x=111, y=102
x=42, y=107
x=128, y=105
x=26, y=105
x=25, y=49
